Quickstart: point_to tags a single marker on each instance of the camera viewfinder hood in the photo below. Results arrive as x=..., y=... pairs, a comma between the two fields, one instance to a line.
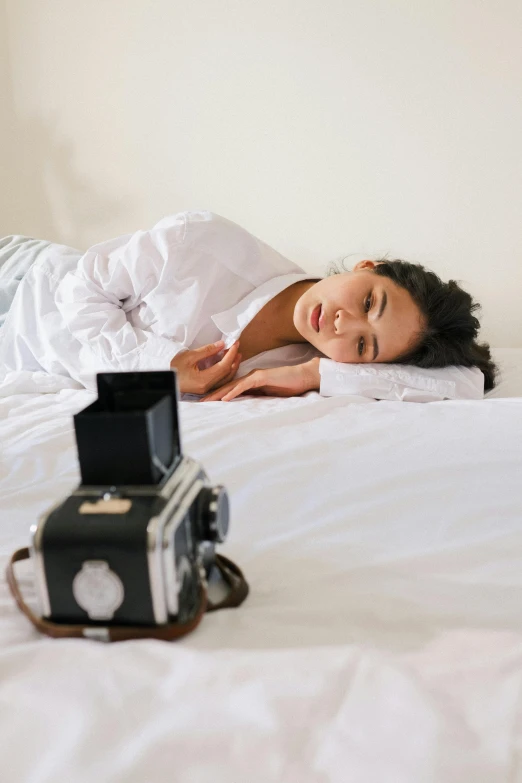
x=130, y=434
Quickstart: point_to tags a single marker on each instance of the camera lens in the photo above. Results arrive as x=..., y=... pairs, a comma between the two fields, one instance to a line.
x=214, y=513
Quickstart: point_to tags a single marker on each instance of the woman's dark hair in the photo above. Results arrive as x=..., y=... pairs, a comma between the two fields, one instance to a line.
x=451, y=328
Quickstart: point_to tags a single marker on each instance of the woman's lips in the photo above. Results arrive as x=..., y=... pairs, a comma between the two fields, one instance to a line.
x=314, y=318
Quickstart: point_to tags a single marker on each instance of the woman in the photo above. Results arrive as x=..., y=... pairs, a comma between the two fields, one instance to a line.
x=200, y=294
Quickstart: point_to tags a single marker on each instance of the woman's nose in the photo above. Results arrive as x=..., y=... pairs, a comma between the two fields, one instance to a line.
x=343, y=322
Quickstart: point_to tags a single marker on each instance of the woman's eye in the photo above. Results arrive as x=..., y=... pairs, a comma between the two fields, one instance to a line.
x=360, y=347
x=368, y=303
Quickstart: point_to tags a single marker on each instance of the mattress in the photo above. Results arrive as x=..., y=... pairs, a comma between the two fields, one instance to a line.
x=381, y=641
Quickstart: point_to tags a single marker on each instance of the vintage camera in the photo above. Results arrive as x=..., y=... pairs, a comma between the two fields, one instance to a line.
x=132, y=543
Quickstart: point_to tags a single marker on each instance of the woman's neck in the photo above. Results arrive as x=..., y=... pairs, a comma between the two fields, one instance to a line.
x=273, y=326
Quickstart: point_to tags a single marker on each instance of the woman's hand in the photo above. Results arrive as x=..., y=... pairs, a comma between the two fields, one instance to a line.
x=192, y=380
x=275, y=382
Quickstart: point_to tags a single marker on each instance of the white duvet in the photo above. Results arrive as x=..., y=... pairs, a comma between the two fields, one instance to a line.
x=381, y=641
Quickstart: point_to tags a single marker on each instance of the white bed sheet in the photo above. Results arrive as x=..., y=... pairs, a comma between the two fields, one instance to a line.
x=382, y=640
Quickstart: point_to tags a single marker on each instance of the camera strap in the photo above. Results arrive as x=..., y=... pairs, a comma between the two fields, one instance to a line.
x=231, y=573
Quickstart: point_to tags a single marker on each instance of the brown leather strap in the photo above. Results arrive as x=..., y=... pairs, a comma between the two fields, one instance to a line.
x=116, y=633
x=235, y=579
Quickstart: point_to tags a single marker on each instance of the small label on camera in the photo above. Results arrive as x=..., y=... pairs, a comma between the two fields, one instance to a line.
x=111, y=506
x=98, y=590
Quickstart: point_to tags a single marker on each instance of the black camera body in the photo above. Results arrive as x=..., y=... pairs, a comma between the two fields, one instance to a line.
x=132, y=543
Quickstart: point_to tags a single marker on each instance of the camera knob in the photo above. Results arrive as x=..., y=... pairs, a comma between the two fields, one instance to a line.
x=214, y=512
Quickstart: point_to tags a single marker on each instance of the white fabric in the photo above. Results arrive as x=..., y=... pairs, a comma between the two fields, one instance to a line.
x=134, y=302
x=401, y=383
x=382, y=640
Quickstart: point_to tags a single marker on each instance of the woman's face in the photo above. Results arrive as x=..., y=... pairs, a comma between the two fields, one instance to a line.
x=358, y=317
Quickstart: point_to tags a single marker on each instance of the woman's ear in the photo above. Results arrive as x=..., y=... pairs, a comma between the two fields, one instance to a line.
x=365, y=265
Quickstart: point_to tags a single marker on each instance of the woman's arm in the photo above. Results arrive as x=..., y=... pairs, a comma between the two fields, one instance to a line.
x=275, y=381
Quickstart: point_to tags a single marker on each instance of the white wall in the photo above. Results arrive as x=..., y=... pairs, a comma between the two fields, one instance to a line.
x=327, y=127
x=6, y=131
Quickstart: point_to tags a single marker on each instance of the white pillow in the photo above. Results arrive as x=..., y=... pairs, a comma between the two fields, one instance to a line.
x=401, y=382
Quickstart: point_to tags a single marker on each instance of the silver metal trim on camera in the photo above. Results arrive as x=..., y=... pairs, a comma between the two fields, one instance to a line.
x=179, y=484
x=35, y=549
x=172, y=580
x=159, y=604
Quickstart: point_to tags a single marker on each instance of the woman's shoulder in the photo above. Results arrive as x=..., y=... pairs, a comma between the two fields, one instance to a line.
x=228, y=244
x=195, y=227
x=202, y=218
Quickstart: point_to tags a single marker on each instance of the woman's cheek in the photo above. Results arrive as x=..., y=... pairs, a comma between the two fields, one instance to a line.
x=338, y=353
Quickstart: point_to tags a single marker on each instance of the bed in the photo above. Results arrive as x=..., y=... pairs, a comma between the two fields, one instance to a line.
x=381, y=641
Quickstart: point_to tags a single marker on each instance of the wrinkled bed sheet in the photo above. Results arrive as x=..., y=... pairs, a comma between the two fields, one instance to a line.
x=381, y=642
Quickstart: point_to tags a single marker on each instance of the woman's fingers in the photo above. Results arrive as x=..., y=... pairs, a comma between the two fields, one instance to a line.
x=222, y=372
x=217, y=393
x=194, y=374
x=236, y=391
x=230, y=354
x=207, y=350
x=197, y=355
x=222, y=369
x=231, y=390
x=232, y=373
